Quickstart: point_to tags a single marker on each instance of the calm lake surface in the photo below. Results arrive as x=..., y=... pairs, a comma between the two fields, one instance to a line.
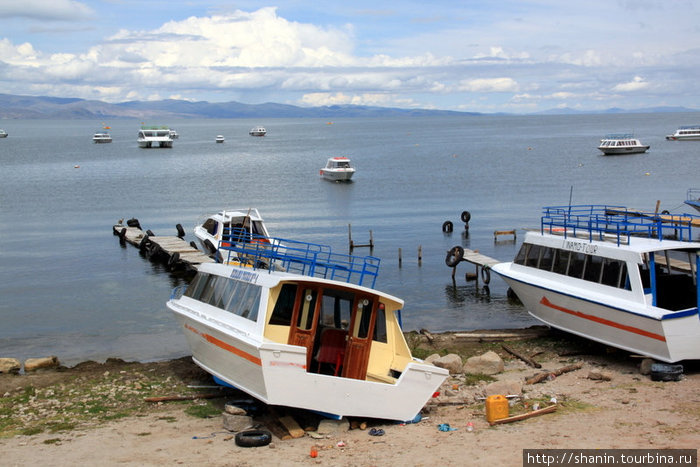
x=69, y=289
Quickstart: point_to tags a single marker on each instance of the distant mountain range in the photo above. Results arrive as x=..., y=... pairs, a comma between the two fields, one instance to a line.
x=31, y=107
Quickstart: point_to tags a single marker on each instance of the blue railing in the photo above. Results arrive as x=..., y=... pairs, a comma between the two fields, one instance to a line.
x=598, y=221
x=309, y=259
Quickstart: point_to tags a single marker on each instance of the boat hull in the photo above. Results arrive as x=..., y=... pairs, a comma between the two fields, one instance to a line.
x=615, y=151
x=337, y=175
x=683, y=138
x=670, y=338
x=276, y=374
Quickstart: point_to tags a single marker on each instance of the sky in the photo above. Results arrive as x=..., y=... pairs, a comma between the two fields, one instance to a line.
x=474, y=56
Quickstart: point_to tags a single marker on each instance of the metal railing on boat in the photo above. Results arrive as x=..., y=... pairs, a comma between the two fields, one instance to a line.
x=309, y=259
x=603, y=222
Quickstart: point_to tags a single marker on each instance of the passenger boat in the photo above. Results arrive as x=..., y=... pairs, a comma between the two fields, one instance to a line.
x=3, y=133
x=220, y=138
x=102, y=136
x=685, y=133
x=693, y=198
x=615, y=144
x=614, y=276
x=215, y=227
x=257, y=131
x=155, y=137
x=294, y=324
x=338, y=169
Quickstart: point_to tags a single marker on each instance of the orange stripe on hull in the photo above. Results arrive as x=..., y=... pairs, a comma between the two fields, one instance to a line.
x=221, y=344
x=604, y=321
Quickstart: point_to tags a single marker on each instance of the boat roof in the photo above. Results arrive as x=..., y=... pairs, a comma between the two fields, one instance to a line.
x=227, y=215
x=619, y=136
x=635, y=230
x=689, y=127
x=339, y=158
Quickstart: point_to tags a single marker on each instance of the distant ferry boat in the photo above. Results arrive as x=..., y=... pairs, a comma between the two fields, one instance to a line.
x=621, y=144
x=102, y=136
x=3, y=133
x=685, y=133
x=155, y=137
x=257, y=131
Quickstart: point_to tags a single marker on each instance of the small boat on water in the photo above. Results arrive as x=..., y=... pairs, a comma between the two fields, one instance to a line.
x=625, y=278
x=215, y=227
x=693, y=198
x=614, y=144
x=3, y=133
x=220, y=138
x=155, y=137
x=174, y=134
x=294, y=324
x=257, y=131
x=338, y=169
x=102, y=136
x=685, y=133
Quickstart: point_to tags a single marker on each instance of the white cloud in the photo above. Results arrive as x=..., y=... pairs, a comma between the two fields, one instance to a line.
x=46, y=10
x=489, y=85
x=636, y=84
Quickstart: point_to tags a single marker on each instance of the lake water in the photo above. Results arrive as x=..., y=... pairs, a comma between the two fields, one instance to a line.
x=69, y=289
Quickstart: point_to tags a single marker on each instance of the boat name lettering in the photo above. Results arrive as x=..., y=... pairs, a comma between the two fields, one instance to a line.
x=582, y=247
x=245, y=276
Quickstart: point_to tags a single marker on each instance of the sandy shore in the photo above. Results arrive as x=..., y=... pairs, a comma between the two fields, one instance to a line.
x=627, y=411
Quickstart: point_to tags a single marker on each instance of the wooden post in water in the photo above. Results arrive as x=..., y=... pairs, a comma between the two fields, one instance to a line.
x=420, y=255
x=400, y=260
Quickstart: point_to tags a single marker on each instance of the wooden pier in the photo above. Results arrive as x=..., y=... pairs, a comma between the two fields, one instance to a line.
x=174, y=251
x=482, y=263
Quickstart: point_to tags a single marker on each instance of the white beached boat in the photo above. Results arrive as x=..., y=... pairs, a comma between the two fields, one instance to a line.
x=306, y=330
x=258, y=131
x=3, y=133
x=685, y=133
x=216, y=227
x=155, y=137
x=220, y=138
x=613, y=276
x=102, y=136
x=337, y=169
x=615, y=144
x=693, y=198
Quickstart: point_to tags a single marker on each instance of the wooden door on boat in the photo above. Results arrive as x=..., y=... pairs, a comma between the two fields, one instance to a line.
x=360, y=337
x=304, y=320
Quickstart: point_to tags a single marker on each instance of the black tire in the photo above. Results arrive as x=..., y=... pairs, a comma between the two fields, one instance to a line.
x=144, y=242
x=253, y=438
x=485, y=275
x=466, y=217
x=447, y=226
x=133, y=223
x=454, y=256
x=180, y=231
x=173, y=260
x=150, y=233
x=209, y=246
x=193, y=245
x=122, y=234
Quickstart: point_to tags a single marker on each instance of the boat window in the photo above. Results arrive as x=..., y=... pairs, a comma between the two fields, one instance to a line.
x=233, y=294
x=533, y=255
x=561, y=261
x=576, y=265
x=250, y=302
x=547, y=259
x=284, y=307
x=308, y=305
x=207, y=289
x=380, y=334
x=217, y=297
x=594, y=268
x=522, y=254
x=336, y=308
x=614, y=274
x=210, y=226
x=194, y=290
x=363, y=318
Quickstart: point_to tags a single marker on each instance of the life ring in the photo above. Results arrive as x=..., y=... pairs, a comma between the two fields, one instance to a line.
x=485, y=274
x=447, y=226
x=454, y=256
x=253, y=438
x=466, y=217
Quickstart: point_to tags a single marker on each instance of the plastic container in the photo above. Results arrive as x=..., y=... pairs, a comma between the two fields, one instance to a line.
x=496, y=407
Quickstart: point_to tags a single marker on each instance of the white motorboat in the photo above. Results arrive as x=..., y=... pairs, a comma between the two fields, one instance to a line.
x=613, y=275
x=257, y=131
x=338, y=169
x=3, y=133
x=155, y=137
x=685, y=133
x=215, y=227
x=693, y=198
x=220, y=138
x=294, y=324
x=615, y=144
x=102, y=136
x=174, y=134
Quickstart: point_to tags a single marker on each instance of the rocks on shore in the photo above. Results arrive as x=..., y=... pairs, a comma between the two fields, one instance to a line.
x=13, y=366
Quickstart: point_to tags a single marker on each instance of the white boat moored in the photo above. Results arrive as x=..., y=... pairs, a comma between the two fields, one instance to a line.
x=693, y=198
x=258, y=131
x=220, y=138
x=615, y=144
x=102, y=136
x=3, y=133
x=216, y=227
x=294, y=324
x=155, y=137
x=338, y=169
x=685, y=133
x=174, y=134
x=613, y=275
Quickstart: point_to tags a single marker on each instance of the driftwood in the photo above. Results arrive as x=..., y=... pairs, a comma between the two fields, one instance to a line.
x=516, y=418
x=550, y=374
x=427, y=335
x=524, y=358
x=188, y=397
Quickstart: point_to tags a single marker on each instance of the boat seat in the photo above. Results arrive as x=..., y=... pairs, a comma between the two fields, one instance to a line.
x=331, y=349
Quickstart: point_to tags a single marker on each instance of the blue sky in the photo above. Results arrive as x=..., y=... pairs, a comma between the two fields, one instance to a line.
x=482, y=56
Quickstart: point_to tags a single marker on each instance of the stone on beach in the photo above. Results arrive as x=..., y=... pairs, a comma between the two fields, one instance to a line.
x=10, y=365
x=489, y=363
x=451, y=362
x=33, y=364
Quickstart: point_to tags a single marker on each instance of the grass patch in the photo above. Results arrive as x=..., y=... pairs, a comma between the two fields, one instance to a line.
x=476, y=378
x=203, y=410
